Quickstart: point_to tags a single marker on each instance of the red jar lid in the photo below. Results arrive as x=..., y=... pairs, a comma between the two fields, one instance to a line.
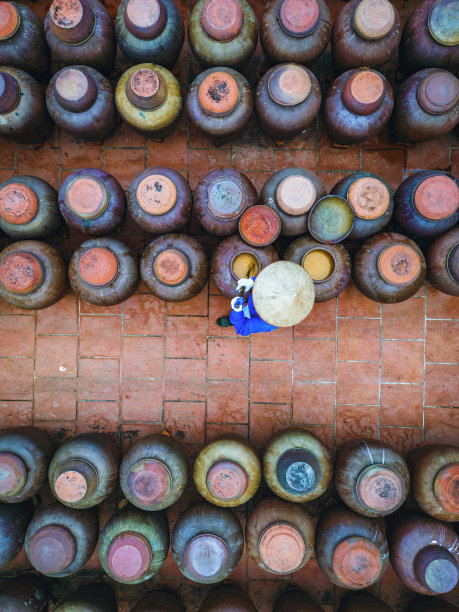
x=222, y=19
x=75, y=90
x=206, y=555
x=98, y=266
x=437, y=197
x=446, y=487
x=363, y=92
x=374, y=19
x=259, y=225
x=86, y=197
x=282, y=548
x=299, y=17
x=369, y=197
x=129, y=556
x=145, y=19
x=227, y=480
x=146, y=89
x=438, y=93
x=52, y=549
x=289, y=85
x=21, y=273
x=156, y=194
x=70, y=486
x=13, y=474
x=218, y=94
x=172, y=267
x=443, y=22
x=227, y=198
x=380, y=489
x=296, y=194
x=399, y=264
x=356, y=562
x=10, y=92
x=9, y=20
x=18, y=203
x=149, y=481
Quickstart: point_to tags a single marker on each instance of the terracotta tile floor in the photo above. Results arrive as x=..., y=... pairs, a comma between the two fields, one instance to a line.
x=353, y=368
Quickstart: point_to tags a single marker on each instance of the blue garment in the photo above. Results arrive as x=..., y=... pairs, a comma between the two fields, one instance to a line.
x=247, y=321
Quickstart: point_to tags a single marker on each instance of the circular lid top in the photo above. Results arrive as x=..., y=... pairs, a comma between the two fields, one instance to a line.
x=145, y=19
x=452, y=262
x=374, y=18
x=282, y=548
x=227, y=480
x=146, y=89
x=70, y=486
x=444, y=22
x=156, y=194
x=128, y=556
x=369, y=197
x=75, y=90
x=363, y=92
x=296, y=194
x=227, y=198
x=441, y=571
x=10, y=92
x=380, y=488
x=446, y=487
x=66, y=13
x=289, y=84
x=218, y=94
x=437, y=197
x=52, y=549
x=86, y=197
x=18, y=203
x=259, y=225
x=331, y=219
x=172, y=267
x=438, y=92
x=9, y=19
x=149, y=481
x=356, y=561
x=399, y=264
x=206, y=555
x=222, y=19
x=300, y=476
x=98, y=266
x=21, y=273
x=319, y=264
x=299, y=17
x=13, y=474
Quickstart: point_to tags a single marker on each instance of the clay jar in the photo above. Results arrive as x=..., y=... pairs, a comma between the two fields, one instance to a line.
x=351, y=550
x=370, y=197
x=154, y=472
x=292, y=192
x=23, y=115
x=26, y=592
x=159, y=601
x=220, y=199
x=223, y=32
x=443, y=263
x=149, y=100
x=150, y=31
x=14, y=519
x=97, y=597
x=365, y=33
x=295, y=30
x=133, y=545
x=32, y=275
x=297, y=465
x=233, y=259
x=227, y=471
x=435, y=480
x=28, y=208
x=427, y=203
x=426, y=106
x=81, y=102
x=227, y=597
x=331, y=219
x=279, y=536
x=92, y=201
x=22, y=41
x=424, y=603
x=84, y=470
x=81, y=32
x=103, y=271
x=296, y=600
x=363, y=602
x=174, y=267
x=389, y=268
x=431, y=36
x=60, y=540
x=424, y=554
x=328, y=265
x=219, y=103
x=358, y=105
x=159, y=200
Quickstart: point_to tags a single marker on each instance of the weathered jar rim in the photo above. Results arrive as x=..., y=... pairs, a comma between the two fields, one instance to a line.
x=289, y=188
x=436, y=197
x=10, y=93
x=57, y=539
x=218, y=94
x=451, y=259
x=446, y=484
x=172, y=266
x=227, y=480
x=259, y=225
x=348, y=556
x=289, y=85
x=438, y=93
x=322, y=247
x=357, y=196
x=129, y=556
x=86, y=196
x=13, y=474
x=150, y=481
x=216, y=550
x=156, y=194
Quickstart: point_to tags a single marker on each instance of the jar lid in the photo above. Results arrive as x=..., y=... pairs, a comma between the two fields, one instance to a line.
x=218, y=94
x=206, y=555
x=319, y=264
x=129, y=556
x=52, y=549
x=13, y=474
x=369, y=197
x=446, y=487
x=399, y=264
x=436, y=568
x=296, y=194
x=438, y=92
x=149, y=481
x=452, y=262
x=10, y=92
x=443, y=22
x=145, y=19
x=98, y=267
x=86, y=197
x=259, y=225
x=282, y=548
x=171, y=267
x=9, y=20
x=299, y=17
x=70, y=486
x=227, y=198
x=21, y=273
x=71, y=21
x=222, y=19
x=436, y=197
x=298, y=470
x=331, y=219
x=380, y=488
x=227, y=480
x=363, y=92
x=374, y=19
x=156, y=194
x=18, y=203
x=146, y=89
x=356, y=561
x=75, y=89
x=289, y=84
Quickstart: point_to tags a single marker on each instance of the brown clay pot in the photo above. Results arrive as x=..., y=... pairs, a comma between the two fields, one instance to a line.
x=227, y=471
x=443, y=263
x=424, y=603
x=84, y=470
x=26, y=592
x=174, y=267
x=96, y=597
x=154, y=472
x=298, y=601
x=389, y=268
x=279, y=536
x=364, y=602
x=159, y=601
x=227, y=597
x=14, y=519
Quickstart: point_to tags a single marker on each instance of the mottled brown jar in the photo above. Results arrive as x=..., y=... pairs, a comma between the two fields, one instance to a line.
x=227, y=471
x=14, y=520
x=389, y=268
x=84, y=470
x=351, y=549
x=133, y=545
x=227, y=597
x=96, y=597
x=28, y=208
x=26, y=592
x=32, y=275
x=154, y=472
x=60, y=540
x=81, y=102
x=443, y=263
x=160, y=200
x=174, y=267
x=219, y=103
x=364, y=602
x=424, y=553
x=81, y=32
x=207, y=543
x=425, y=603
x=298, y=601
x=295, y=31
x=159, y=601
x=426, y=106
x=358, y=105
x=223, y=32
x=103, y=271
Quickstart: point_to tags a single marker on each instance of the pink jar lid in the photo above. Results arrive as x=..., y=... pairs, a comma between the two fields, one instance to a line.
x=206, y=555
x=227, y=480
x=289, y=84
x=149, y=481
x=299, y=17
x=9, y=20
x=52, y=549
x=70, y=486
x=145, y=19
x=129, y=556
x=222, y=19
x=171, y=267
x=86, y=197
x=374, y=19
x=282, y=548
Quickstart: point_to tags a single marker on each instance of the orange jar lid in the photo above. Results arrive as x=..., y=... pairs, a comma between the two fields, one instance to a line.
x=21, y=273
x=437, y=197
x=9, y=20
x=227, y=480
x=149, y=481
x=374, y=19
x=52, y=549
x=399, y=264
x=98, y=266
x=289, y=85
x=218, y=94
x=356, y=562
x=156, y=194
x=296, y=194
x=13, y=474
x=171, y=267
x=282, y=548
x=369, y=197
x=222, y=19
x=446, y=487
x=18, y=203
x=363, y=92
x=438, y=93
x=129, y=556
x=380, y=489
x=299, y=17
x=71, y=486
x=86, y=197
x=206, y=555
x=259, y=225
